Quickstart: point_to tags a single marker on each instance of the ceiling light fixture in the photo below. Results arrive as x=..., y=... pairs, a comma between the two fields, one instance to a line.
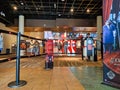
x=54, y=5
x=22, y=3
x=71, y=10
x=88, y=11
x=59, y=14
x=2, y=13
x=15, y=7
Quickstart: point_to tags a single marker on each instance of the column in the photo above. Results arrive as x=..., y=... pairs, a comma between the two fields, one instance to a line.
x=21, y=30
x=99, y=35
x=99, y=27
x=21, y=24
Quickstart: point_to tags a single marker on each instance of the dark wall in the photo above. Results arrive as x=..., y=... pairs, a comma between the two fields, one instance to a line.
x=59, y=22
x=5, y=13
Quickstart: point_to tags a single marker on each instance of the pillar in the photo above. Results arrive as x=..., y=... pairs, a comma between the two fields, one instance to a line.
x=21, y=30
x=99, y=27
x=21, y=24
x=99, y=35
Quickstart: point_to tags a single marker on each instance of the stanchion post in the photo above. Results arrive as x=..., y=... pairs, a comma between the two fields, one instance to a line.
x=18, y=60
x=18, y=82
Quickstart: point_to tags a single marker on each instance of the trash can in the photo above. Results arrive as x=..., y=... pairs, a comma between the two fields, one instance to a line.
x=7, y=51
x=49, y=62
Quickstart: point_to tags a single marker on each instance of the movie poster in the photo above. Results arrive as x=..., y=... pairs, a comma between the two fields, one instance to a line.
x=111, y=42
x=49, y=47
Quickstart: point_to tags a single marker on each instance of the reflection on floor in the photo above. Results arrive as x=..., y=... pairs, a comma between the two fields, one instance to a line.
x=86, y=76
x=6, y=56
x=74, y=61
x=90, y=77
x=9, y=57
x=70, y=60
x=67, y=54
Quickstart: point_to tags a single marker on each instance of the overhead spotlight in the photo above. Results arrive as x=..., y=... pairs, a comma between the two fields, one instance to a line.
x=88, y=11
x=2, y=13
x=62, y=0
x=72, y=10
x=37, y=8
x=59, y=14
x=15, y=7
x=21, y=3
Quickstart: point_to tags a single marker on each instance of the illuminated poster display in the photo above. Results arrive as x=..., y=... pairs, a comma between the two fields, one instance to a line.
x=48, y=35
x=111, y=42
x=49, y=54
x=49, y=47
x=71, y=46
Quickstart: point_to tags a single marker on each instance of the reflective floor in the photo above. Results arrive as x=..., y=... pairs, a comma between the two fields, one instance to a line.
x=69, y=73
x=90, y=77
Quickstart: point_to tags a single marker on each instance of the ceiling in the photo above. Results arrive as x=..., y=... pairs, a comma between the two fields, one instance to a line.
x=52, y=9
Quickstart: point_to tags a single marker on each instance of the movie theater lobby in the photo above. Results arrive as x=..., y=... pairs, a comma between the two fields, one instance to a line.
x=52, y=45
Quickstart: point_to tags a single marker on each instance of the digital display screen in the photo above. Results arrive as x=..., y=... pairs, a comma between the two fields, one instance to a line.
x=48, y=35
x=64, y=35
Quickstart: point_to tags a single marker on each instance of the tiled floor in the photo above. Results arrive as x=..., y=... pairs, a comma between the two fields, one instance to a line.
x=87, y=76
x=90, y=77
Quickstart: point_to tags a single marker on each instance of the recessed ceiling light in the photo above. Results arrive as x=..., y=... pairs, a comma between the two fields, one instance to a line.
x=22, y=3
x=15, y=7
x=88, y=11
x=2, y=13
x=62, y=0
x=36, y=8
x=72, y=10
x=59, y=14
